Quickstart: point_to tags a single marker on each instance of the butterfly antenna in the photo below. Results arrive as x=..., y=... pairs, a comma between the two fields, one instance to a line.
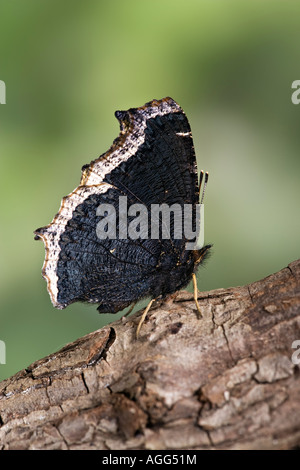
x=205, y=184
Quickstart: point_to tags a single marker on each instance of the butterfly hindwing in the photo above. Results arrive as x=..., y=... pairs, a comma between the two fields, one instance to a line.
x=151, y=162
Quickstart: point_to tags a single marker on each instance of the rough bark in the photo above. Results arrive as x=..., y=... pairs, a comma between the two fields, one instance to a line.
x=224, y=381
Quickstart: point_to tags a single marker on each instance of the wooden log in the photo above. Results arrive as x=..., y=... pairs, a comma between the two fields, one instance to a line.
x=227, y=381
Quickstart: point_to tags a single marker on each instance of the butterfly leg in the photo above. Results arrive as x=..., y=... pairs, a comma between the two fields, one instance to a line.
x=143, y=317
x=130, y=309
x=196, y=295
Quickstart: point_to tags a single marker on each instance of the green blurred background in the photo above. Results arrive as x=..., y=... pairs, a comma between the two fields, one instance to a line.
x=69, y=65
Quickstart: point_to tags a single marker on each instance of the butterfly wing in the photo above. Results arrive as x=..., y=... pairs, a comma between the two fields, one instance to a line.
x=151, y=162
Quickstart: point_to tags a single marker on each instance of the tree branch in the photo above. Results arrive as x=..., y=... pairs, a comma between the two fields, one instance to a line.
x=225, y=381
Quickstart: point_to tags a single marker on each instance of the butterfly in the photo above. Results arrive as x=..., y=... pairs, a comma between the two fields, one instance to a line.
x=97, y=252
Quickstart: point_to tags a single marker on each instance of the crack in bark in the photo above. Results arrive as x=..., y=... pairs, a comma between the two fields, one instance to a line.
x=103, y=352
x=291, y=271
x=250, y=295
x=62, y=437
x=228, y=346
x=84, y=383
